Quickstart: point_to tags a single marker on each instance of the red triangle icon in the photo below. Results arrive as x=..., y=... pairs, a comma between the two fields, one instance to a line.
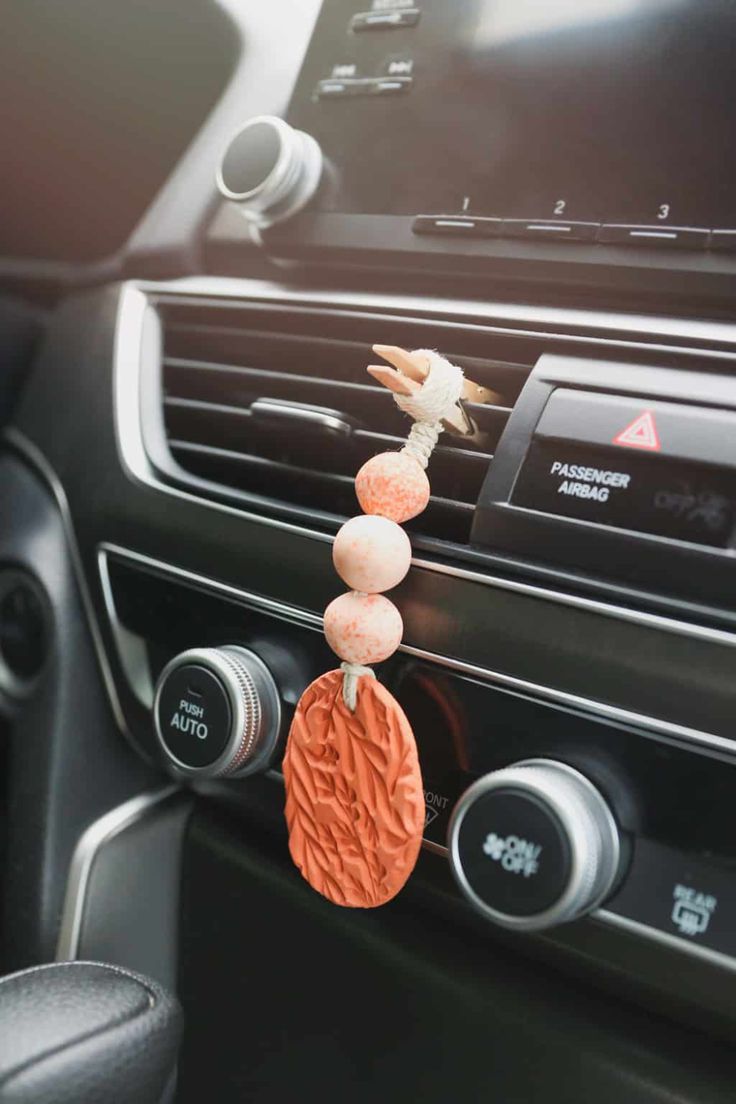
x=642, y=434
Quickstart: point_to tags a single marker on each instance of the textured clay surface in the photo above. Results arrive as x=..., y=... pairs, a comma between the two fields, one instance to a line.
x=354, y=799
x=371, y=554
x=363, y=628
x=392, y=485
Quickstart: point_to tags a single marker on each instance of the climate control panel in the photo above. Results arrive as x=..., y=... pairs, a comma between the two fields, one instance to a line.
x=550, y=812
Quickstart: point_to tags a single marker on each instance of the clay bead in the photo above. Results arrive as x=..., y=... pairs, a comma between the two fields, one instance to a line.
x=392, y=485
x=371, y=554
x=363, y=628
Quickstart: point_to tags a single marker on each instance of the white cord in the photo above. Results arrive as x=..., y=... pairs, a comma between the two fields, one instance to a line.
x=439, y=394
x=352, y=672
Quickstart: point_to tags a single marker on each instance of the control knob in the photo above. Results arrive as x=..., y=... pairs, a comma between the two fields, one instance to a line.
x=270, y=169
x=217, y=712
x=534, y=845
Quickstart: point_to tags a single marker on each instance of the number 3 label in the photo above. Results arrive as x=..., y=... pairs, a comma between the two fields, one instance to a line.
x=664, y=211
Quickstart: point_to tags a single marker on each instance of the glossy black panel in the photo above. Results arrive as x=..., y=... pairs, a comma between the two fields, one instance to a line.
x=369, y=1005
x=645, y=143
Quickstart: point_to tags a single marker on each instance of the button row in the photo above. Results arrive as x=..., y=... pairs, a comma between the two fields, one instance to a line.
x=672, y=237
x=332, y=89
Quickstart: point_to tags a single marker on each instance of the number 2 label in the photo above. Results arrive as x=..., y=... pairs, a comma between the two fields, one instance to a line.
x=560, y=206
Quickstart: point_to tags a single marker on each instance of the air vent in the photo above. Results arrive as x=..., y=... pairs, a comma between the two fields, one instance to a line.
x=276, y=404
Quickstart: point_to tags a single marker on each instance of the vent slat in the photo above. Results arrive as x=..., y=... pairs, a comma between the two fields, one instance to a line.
x=456, y=473
x=317, y=416
x=369, y=404
x=448, y=519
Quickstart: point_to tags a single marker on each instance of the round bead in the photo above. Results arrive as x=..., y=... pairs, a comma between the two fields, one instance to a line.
x=371, y=554
x=394, y=485
x=363, y=628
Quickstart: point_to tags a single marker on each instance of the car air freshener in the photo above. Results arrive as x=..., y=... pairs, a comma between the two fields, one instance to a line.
x=354, y=797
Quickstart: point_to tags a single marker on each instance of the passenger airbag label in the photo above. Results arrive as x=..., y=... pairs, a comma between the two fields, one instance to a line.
x=648, y=494
x=582, y=482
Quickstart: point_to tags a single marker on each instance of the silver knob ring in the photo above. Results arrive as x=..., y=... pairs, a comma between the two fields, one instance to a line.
x=588, y=823
x=289, y=185
x=255, y=711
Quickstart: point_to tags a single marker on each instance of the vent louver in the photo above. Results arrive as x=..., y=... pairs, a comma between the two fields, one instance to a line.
x=275, y=403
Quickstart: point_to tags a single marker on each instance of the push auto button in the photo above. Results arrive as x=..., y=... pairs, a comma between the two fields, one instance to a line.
x=194, y=715
x=217, y=712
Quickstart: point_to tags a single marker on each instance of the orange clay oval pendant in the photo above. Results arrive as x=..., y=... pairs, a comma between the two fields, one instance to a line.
x=354, y=805
x=354, y=800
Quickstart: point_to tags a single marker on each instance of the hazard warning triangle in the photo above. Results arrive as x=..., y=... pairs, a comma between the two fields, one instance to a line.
x=642, y=434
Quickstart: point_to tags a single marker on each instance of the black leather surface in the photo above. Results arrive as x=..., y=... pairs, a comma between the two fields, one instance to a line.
x=83, y=1033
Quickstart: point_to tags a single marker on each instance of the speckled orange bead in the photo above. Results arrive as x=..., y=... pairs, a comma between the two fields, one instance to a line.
x=371, y=553
x=363, y=628
x=393, y=485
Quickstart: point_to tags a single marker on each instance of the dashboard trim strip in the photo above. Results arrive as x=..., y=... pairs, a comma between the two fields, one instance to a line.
x=35, y=458
x=99, y=833
x=657, y=728
x=465, y=312
x=673, y=942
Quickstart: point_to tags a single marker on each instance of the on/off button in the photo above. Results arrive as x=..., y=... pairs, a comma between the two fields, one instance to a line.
x=533, y=845
x=515, y=853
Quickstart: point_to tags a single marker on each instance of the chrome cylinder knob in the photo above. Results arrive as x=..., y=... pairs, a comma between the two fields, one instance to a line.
x=270, y=169
x=534, y=845
x=217, y=713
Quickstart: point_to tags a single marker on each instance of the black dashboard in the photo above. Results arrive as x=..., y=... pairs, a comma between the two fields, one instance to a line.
x=543, y=193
